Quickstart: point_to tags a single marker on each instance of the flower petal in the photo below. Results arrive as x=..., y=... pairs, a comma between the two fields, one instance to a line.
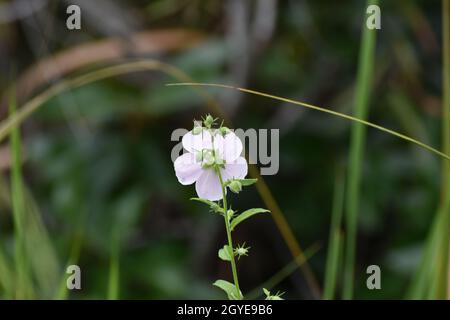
x=237, y=169
x=231, y=148
x=187, y=169
x=196, y=142
x=208, y=186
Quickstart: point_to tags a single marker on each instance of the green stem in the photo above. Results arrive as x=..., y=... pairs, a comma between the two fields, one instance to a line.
x=230, y=240
x=422, y=277
x=335, y=239
x=358, y=136
x=114, y=266
x=17, y=204
x=74, y=256
x=442, y=274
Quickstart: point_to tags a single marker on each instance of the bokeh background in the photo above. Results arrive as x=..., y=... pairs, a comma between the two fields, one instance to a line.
x=100, y=189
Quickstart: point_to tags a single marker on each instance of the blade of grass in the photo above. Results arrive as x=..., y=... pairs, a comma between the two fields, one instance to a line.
x=317, y=108
x=114, y=267
x=6, y=277
x=358, y=134
x=74, y=256
x=22, y=281
x=35, y=258
x=439, y=279
x=443, y=287
x=335, y=238
x=421, y=280
x=435, y=285
x=43, y=262
x=6, y=271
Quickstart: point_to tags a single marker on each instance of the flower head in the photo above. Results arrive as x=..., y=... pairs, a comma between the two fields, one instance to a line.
x=241, y=250
x=276, y=296
x=211, y=154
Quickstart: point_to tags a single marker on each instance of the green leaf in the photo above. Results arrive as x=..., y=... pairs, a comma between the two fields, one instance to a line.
x=213, y=206
x=243, y=182
x=247, y=182
x=229, y=288
x=225, y=253
x=208, y=202
x=245, y=215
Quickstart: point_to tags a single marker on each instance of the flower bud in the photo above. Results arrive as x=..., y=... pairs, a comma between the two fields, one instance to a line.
x=235, y=186
x=209, y=159
x=241, y=250
x=269, y=296
x=209, y=121
x=230, y=214
x=197, y=130
x=224, y=130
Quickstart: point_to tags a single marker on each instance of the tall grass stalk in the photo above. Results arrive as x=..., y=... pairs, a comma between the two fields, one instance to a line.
x=442, y=290
x=21, y=281
x=431, y=279
x=41, y=255
x=6, y=277
x=36, y=266
x=74, y=256
x=422, y=279
x=335, y=239
x=114, y=264
x=317, y=108
x=358, y=136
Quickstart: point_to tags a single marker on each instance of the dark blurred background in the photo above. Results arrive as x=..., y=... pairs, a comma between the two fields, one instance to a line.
x=97, y=158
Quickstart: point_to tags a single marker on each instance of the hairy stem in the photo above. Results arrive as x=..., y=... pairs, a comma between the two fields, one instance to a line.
x=230, y=240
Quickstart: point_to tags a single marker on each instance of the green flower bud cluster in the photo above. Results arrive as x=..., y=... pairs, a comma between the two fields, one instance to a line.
x=208, y=122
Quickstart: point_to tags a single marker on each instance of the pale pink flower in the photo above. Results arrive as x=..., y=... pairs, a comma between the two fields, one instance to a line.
x=205, y=152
